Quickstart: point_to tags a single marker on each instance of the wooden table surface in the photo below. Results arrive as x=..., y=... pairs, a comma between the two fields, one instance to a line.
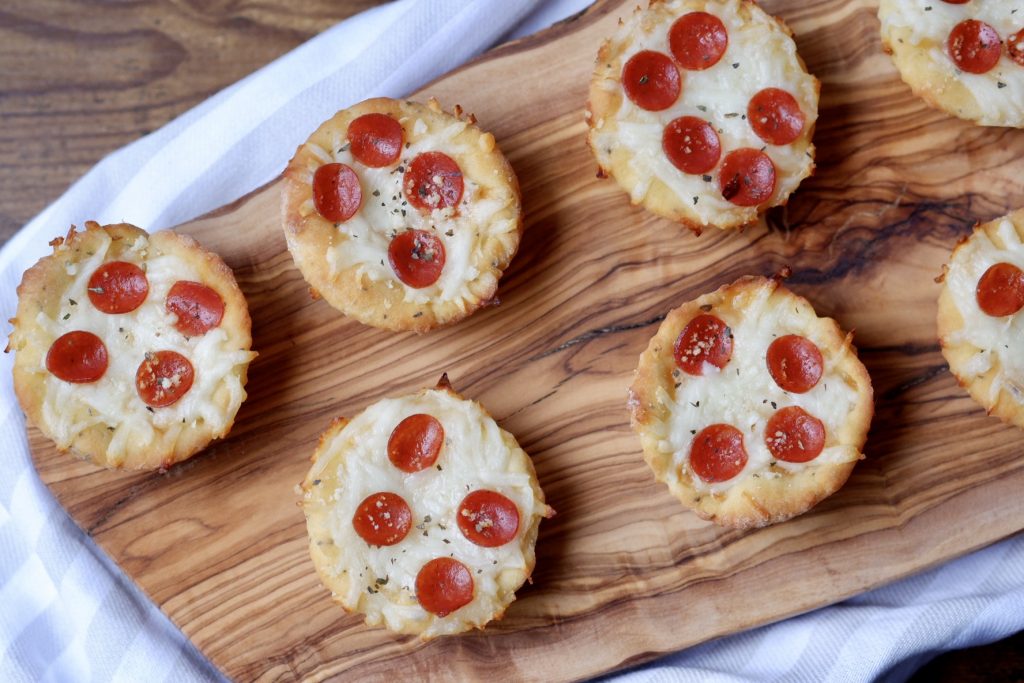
x=79, y=80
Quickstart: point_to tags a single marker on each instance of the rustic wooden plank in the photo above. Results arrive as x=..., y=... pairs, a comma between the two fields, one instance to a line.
x=624, y=572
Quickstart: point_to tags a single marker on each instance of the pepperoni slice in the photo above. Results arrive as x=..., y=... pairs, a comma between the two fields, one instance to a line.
x=651, y=80
x=691, y=144
x=488, y=518
x=1015, y=47
x=382, y=519
x=118, y=287
x=415, y=443
x=705, y=339
x=1001, y=290
x=376, y=139
x=79, y=357
x=443, y=586
x=795, y=363
x=717, y=453
x=747, y=177
x=775, y=116
x=337, y=194
x=417, y=257
x=433, y=181
x=794, y=435
x=698, y=40
x=199, y=308
x=974, y=46
x=163, y=378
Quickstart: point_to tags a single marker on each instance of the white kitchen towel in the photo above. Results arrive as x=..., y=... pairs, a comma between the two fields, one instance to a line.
x=68, y=614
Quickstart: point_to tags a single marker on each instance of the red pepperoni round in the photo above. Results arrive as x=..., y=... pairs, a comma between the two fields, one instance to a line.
x=199, y=308
x=1000, y=290
x=775, y=116
x=705, y=339
x=691, y=144
x=794, y=435
x=974, y=46
x=488, y=518
x=795, y=363
x=78, y=357
x=747, y=177
x=433, y=181
x=376, y=139
x=651, y=80
x=698, y=40
x=417, y=257
x=382, y=519
x=717, y=453
x=1015, y=47
x=415, y=443
x=443, y=586
x=337, y=194
x=118, y=287
x=163, y=378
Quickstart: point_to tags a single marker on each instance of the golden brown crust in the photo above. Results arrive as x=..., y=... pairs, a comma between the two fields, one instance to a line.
x=938, y=84
x=328, y=557
x=380, y=299
x=42, y=295
x=604, y=103
x=961, y=352
x=775, y=494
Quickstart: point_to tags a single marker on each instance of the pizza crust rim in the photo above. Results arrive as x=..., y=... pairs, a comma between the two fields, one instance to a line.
x=36, y=294
x=759, y=502
x=373, y=302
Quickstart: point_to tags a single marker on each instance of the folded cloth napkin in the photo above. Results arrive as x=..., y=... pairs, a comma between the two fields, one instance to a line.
x=68, y=614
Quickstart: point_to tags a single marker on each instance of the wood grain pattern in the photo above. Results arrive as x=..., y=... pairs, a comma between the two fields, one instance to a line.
x=624, y=573
x=79, y=80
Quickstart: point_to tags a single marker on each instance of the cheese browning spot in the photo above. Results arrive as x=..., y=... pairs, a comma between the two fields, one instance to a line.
x=488, y=518
x=382, y=519
x=163, y=378
x=444, y=585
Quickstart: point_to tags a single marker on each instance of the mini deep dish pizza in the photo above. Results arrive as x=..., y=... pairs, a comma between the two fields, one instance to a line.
x=423, y=513
x=965, y=57
x=703, y=111
x=749, y=406
x=400, y=215
x=981, y=327
x=131, y=350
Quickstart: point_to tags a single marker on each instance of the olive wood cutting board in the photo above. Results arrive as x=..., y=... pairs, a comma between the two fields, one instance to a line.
x=624, y=572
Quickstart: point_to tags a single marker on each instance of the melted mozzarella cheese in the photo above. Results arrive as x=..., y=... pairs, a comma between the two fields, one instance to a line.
x=474, y=456
x=930, y=22
x=759, y=55
x=113, y=401
x=1000, y=341
x=744, y=395
x=385, y=213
